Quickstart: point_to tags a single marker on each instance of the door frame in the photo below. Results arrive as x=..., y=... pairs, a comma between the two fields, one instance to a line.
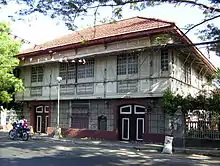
x=133, y=117
x=44, y=115
x=143, y=122
x=38, y=130
x=122, y=129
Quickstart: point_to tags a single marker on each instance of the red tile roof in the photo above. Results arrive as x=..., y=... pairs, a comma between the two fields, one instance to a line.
x=127, y=26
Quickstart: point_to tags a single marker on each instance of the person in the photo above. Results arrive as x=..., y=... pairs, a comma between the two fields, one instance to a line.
x=20, y=124
x=21, y=121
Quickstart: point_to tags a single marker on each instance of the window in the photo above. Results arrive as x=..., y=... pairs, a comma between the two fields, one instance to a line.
x=164, y=60
x=86, y=70
x=125, y=109
x=67, y=71
x=127, y=64
x=85, y=88
x=39, y=109
x=127, y=86
x=187, y=73
x=67, y=89
x=37, y=73
x=80, y=121
x=156, y=122
x=36, y=91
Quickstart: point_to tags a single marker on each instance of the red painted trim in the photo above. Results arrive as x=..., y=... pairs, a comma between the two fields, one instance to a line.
x=100, y=41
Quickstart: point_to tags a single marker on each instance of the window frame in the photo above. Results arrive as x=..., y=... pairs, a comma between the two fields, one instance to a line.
x=156, y=122
x=67, y=71
x=187, y=73
x=127, y=64
x=84, y=86
x=127, y=84
x=86, y=70
x=36, y=91
x=36, y=75
x=164, y=60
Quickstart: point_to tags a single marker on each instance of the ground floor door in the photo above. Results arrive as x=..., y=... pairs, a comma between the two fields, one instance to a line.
x=42, y=119
x=131, y=122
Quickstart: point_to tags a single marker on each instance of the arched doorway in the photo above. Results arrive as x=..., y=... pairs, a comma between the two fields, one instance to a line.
x=131, y=122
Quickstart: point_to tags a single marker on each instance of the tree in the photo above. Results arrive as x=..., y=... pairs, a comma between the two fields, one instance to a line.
x=69, y=10
x=9, y=84
x=218, y=75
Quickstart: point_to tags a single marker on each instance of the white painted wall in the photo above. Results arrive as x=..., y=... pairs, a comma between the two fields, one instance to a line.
x=178, y=84
x=151, y=81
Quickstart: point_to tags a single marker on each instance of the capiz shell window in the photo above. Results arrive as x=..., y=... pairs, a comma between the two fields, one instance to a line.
x=67, y=71
x=36, y=91
x=127, y=86
x=86, y=70
x=127, y=64
x=37, y=73
x=164, y=60
x=85, y=88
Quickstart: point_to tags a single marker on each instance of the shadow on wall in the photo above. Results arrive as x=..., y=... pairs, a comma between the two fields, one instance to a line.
x=83, y=133
x=158, y=86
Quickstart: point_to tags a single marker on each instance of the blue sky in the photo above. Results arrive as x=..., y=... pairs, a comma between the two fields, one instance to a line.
x=44, y=29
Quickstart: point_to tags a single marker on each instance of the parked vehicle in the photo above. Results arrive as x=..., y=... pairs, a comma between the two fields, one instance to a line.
x=19, y=131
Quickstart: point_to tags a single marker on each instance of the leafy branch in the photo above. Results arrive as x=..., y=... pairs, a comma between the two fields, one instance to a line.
x=201, y=102
x=200, y=23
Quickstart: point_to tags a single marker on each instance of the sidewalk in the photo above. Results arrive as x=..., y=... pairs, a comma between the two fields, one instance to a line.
x=139, y=146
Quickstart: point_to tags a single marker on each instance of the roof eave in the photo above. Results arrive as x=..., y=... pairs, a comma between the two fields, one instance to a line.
x=98, y=41
x=197, y=51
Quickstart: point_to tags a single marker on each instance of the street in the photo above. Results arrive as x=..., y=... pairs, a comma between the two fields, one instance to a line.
x=51, y=153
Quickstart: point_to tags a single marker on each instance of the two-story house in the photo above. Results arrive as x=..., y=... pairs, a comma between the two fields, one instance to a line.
x=113, y=78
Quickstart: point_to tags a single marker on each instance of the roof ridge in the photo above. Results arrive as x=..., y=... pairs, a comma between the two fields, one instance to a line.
x=111, y=22
x=156, y=19
x=77, y=31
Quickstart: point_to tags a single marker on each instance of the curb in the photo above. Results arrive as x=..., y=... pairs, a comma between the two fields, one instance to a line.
x=146, y=148
x=89, y=142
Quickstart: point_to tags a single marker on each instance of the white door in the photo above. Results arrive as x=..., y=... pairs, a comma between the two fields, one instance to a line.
x=39, y=123
x=125, y=128
x=139, y=129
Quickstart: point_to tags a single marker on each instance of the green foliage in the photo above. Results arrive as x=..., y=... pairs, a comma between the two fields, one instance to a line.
x=211, y=33
x=163, y=38
x=171, y=102
x=168, y=102
x=189, y=103
x=217, y=76
x=8, y=49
